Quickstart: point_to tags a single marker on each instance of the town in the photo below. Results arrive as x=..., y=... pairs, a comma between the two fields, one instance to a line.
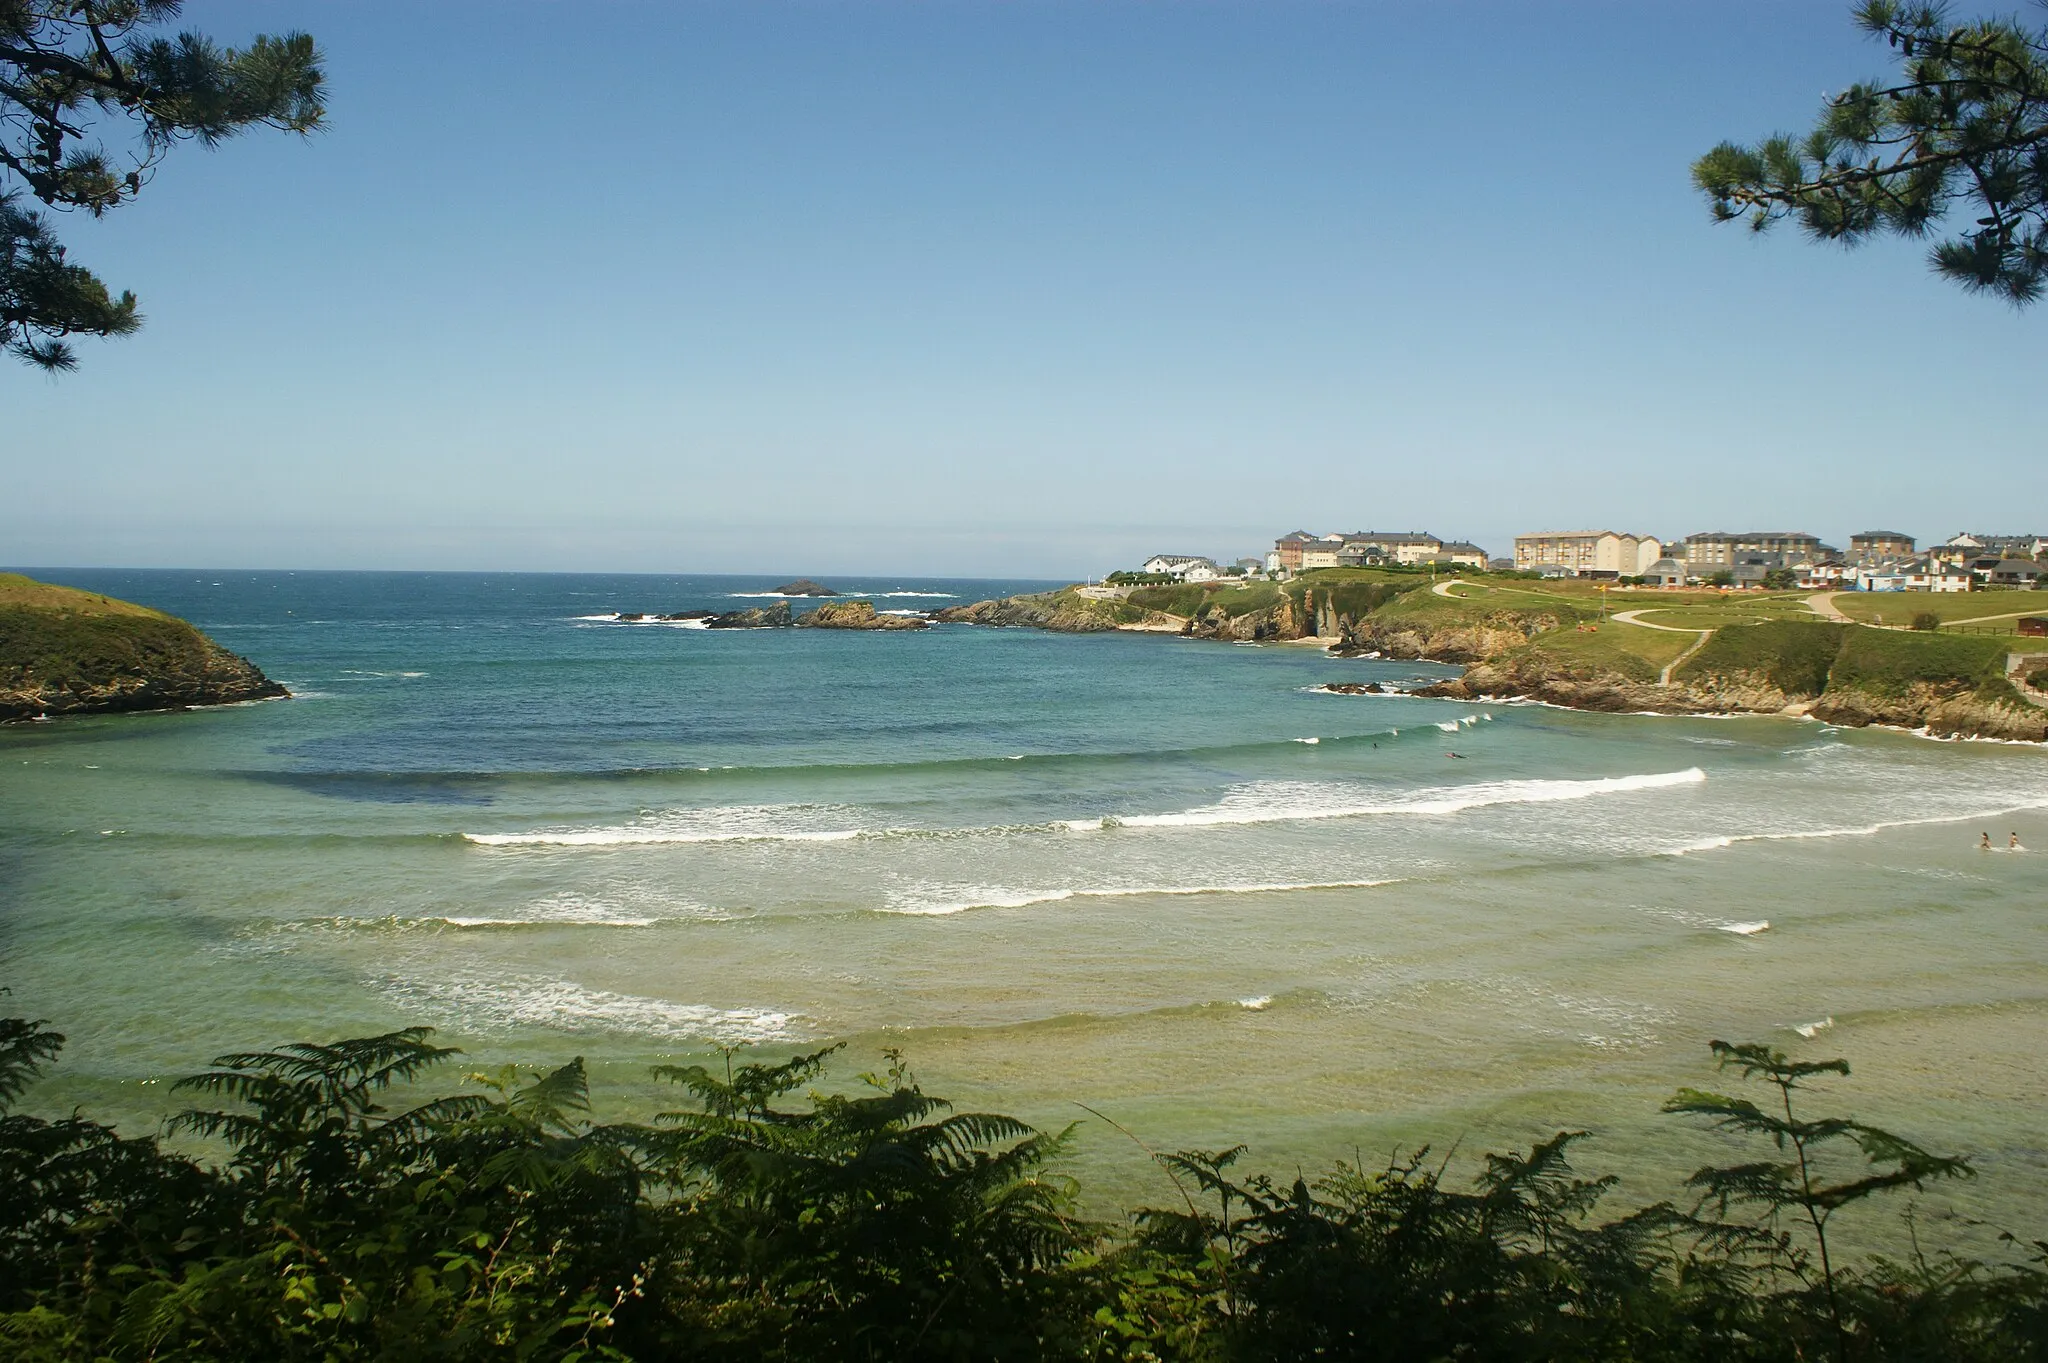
x=1875, y=561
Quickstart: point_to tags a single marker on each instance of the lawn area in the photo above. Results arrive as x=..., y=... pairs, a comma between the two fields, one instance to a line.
x=1631, y=651
x=1726, y=611
x=1899, y=608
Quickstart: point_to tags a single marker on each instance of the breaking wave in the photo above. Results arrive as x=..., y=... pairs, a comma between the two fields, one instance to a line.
x=938, y=901
x=477, y=1003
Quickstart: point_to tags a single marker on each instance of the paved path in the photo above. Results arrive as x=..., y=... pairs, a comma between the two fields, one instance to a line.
x=1823, y=605
x=1444, y=588
x=1634, y=618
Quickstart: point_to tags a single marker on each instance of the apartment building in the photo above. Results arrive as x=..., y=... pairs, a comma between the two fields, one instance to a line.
x=1869, y=548
x=1579, y=553
x=1716, y=549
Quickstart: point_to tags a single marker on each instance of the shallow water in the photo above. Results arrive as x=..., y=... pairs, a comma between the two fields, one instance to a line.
x=1055, y=870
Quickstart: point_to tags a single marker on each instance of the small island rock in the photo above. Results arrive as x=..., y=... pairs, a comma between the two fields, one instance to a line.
x=803, y=586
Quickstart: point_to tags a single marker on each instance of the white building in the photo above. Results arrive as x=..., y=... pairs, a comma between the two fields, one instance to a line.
x=1184, y=567
x=1927, y=575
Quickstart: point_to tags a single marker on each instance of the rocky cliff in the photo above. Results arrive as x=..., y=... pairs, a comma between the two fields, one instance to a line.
x=66, y=652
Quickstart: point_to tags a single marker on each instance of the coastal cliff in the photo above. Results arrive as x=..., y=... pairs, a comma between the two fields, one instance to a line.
x=1549, y=644
x=1852, y=675
x=68, y=652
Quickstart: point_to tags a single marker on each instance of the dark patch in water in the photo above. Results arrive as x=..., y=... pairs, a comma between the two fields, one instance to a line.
x=385, y=787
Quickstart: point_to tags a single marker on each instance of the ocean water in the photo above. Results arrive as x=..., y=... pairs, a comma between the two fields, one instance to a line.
x=1171, y=881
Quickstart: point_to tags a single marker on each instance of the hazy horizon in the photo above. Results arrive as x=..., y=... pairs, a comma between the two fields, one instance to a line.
x=1025, y=290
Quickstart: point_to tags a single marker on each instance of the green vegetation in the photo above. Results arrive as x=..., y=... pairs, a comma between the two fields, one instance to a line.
x=1898, y=608
x=73, y=75
x=1794, y=656
x=501, y=1220
x=1926, y=620
x=1889, y=662
x=67, y=650
x=1960, y=129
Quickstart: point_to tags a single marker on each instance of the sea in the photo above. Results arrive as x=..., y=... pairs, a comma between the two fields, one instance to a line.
x=1172, y=893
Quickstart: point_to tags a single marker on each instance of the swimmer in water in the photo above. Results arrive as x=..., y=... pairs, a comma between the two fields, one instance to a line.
x=1985, y=846
x=1460, y=756
x=2013, y=844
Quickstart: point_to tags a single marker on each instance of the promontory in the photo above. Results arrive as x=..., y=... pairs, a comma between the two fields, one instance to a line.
x=68, y=652
x=1952, y=667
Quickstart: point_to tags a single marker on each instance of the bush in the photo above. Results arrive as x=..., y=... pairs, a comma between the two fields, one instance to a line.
x=1926, y=621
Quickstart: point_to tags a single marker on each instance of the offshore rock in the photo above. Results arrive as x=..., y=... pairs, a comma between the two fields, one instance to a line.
x=755, y=617
x=1062, y=612
x=66, y=652
x=803, y=586
x=857, y=615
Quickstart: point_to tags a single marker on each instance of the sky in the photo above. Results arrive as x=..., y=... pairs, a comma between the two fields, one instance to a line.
x=960, y=287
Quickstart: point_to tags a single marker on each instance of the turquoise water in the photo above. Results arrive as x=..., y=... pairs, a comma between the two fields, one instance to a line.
x=1168, y=880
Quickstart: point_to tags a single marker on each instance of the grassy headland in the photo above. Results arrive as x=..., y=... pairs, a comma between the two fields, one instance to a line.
x=64, y=651
x=1570, y=642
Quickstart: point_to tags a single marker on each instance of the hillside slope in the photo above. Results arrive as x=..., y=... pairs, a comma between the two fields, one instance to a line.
x=64, y=651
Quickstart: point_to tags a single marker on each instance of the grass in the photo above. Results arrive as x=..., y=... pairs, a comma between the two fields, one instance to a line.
x=1899, y=608
x=1889, y=662
x=17, y=591
x=1637, y=654
x=60, y=647
x=1793, y=655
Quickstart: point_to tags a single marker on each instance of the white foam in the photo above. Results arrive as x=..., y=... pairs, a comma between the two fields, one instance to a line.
x=1810, y=1030
x=1257, y=1003
x=1449, y=726
x=498, y=1003
x=736, y=823
x=1861, y=831
x=1746, y=929
x=1285, y=801
x=1310, y=741
x=941, y=901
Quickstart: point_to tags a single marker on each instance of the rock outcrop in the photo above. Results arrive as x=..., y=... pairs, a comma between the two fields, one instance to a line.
x=1063, y=612
x=66, y=652
x=754, y=617
x=803, y=586
x=857, y=615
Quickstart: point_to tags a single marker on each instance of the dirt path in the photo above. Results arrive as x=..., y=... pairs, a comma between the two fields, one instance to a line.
x=1443, y=589
x=2013, y=663
x=1823, y=605
x=1634, y=617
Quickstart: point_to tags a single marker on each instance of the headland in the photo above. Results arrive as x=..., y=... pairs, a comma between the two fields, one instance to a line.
x=68, y=652
x=1591, y=646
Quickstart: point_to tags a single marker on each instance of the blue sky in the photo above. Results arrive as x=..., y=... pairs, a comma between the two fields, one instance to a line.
x=1004, y=288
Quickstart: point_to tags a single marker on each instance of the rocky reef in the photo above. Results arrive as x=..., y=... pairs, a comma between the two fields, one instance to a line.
x=754, y=617
x=1063, y=612
x=857, y=615
x=67, y=652
x=803, y=586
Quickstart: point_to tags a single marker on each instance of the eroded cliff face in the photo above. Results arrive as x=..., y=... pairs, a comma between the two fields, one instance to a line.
x=1448, y=641
x=1946, y=711
x=1954, y=710
x=1279, y=621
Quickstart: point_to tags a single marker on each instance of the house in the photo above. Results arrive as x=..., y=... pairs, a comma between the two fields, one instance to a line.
x=1828, y=576
x=1578, y=553
x=1712, y=549
x=1873, y=548
x=1463, y=554
x=1926, y=575
x=1184, y=567
x=1967, y=545
x=1665, y=572
x=2005, y=572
